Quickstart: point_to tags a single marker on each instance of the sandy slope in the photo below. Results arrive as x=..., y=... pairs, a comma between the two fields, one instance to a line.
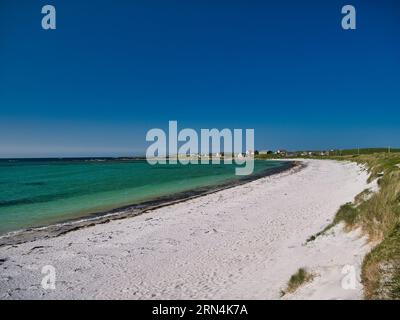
x=243, y=242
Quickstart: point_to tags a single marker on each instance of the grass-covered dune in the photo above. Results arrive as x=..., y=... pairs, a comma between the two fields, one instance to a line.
x=378, y=215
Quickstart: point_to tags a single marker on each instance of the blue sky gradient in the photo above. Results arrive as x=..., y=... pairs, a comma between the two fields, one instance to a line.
x=115, y=69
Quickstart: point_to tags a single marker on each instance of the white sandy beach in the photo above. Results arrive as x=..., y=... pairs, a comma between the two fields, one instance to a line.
x=240, y=243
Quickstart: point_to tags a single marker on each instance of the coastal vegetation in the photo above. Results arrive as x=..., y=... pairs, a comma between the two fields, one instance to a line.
x=301, y=277
x=378, y=215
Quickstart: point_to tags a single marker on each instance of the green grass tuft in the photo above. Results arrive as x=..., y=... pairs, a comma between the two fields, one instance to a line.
x=347, y=213
x=301, y=277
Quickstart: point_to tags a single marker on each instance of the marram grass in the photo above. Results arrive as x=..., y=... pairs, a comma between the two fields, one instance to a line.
x=378, y=215
x=301, y=277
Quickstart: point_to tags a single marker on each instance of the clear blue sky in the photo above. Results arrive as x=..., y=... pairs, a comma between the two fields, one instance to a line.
x=114, y=69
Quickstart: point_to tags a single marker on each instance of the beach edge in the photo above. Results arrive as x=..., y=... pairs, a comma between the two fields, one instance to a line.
x=57, y=229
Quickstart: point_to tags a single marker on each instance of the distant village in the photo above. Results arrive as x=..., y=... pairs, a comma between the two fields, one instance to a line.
x=290, y=154
x=280, y=153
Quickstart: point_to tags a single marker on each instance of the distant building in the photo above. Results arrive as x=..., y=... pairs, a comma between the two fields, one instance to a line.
x=249, y=153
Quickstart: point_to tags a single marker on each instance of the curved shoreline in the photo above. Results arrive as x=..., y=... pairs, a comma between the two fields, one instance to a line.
x=240, y=243
x=65, y=226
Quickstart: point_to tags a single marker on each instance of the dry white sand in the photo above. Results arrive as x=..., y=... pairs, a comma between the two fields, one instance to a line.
x=239, y=243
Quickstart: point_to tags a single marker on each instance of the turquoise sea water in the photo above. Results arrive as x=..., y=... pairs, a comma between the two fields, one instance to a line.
x=40, y=192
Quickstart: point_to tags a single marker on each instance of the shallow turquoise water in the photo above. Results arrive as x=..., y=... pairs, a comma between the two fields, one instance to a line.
x=39, y=192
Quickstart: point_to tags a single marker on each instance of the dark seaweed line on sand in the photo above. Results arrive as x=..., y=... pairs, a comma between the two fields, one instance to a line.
x=66, y=226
